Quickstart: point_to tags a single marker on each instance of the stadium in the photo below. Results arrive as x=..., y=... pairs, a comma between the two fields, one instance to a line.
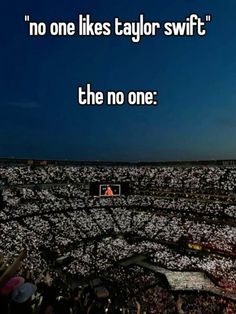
x=116, y=237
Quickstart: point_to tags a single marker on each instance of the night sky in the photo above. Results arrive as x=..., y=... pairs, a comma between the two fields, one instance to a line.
x=195, y=78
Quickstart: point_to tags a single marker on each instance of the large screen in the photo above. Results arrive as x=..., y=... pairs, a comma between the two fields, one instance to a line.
x=109, y=189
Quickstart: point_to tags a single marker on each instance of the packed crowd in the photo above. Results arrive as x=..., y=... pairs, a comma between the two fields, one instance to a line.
x=20, y=294
x=68, y=230
x=33, y=200
x=191, y=178
x=70, y=234
x=136, y=291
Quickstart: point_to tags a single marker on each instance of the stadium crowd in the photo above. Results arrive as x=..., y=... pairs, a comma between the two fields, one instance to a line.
x=71, y=234
x=197, y=178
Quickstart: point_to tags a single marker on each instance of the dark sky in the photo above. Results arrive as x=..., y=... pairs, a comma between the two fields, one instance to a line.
x=195, y=77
